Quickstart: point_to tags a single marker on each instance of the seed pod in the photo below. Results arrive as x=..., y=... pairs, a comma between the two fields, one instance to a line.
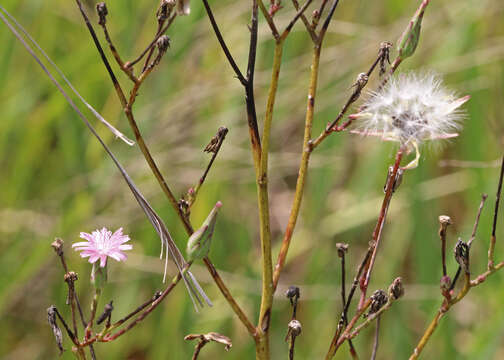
x=51, y=318
x=396, y=289
x=101, y=10
x=462, y=255
x=378, y=299
x=409, y=39
x=198, y=244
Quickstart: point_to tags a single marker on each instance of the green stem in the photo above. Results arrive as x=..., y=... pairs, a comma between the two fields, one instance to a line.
x=303, y=168
x=263, y=200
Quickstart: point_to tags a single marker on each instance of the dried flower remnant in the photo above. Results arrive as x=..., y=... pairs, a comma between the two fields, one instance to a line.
x=411, y=108
x=396, y=289
x=183, y=7
x=102, y=244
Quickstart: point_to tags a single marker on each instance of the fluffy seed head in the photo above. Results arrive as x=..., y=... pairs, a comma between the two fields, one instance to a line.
x=411, y=108
x=101, y=244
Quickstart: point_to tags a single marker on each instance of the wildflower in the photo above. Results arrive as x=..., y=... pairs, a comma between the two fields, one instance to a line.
x=410, y=109
x=101, y=244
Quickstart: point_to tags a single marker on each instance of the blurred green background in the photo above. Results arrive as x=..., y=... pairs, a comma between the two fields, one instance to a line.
x=57, y=181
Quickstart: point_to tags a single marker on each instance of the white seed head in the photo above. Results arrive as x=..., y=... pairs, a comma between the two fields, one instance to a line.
x=411, y=108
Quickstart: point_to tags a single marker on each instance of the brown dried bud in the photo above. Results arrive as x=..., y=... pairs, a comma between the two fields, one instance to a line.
x=57, y=245
x=71, y=277
x=445, y=220
x=51, y=318
x=211, y=336
x=292, y=292
x=213, y=145
x=294, y=328
x=384, y=54
x=378, y=299
x=163, y=43
x=107, y=311
x=101, y=9
x=462, y=255
x=396, y=289
x=164, y=10
x=342, y=249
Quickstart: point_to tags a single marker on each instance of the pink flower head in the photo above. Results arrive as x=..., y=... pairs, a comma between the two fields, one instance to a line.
x=102, y=243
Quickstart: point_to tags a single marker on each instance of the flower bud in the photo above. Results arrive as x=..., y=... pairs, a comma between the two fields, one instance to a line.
x=294, y=328
x=57, y=245
x=101, y=9
x=409, y=39
x=342, y=249
x=198, y=244
x=58, y=336
x=462, y=255
x=396, y=289
x=378, y=299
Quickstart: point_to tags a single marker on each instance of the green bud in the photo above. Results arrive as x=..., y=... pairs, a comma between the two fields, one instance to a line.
x=198, y=244
x=409, y=39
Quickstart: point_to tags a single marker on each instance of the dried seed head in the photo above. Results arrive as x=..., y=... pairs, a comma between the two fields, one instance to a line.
x=462, y=255
x=445, y=220
x=384, y=54
x=342, y=249
x=164, y=10
x=51, y=319
x=71, y=277
x=294, y=328
x=396, y=289
x=378, y=299
x=292, y=292
x=101, y=10
x=57, y=245
x=163, y=43
x=411, y=108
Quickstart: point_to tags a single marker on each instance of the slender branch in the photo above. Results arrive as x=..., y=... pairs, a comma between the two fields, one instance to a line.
x=303, y=168
x=223, y=45
x=115, y=53
x=153, y=305
x=307, y=24
x=375, y=241
x=305, y=157
x=152, y=43
x=213, y=147
x=229, y=298
x=444, y=221
x=131, y=120
x=473, y=236
x=376, y=339
x=293, y=21
x=368, y=321
x=137, y=310
x=338, y=340
x=446, y=306
x=491, y=249
x=325, y=26
x=359, y=85
x=269, y=20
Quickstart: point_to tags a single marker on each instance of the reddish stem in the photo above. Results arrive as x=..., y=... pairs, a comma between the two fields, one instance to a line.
x=373, y=247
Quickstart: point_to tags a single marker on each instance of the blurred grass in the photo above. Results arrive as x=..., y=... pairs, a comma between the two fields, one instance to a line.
x=57, y=181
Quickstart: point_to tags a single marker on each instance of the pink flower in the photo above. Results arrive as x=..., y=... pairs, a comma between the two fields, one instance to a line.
x=102, y=243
